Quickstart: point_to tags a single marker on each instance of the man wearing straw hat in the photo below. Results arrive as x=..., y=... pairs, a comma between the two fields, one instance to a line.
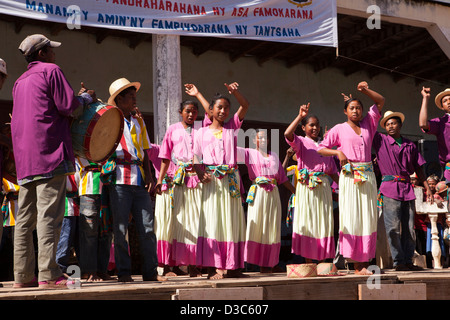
x=130, y=184
x=440, y=127
x=398, y=158
x=43, y=102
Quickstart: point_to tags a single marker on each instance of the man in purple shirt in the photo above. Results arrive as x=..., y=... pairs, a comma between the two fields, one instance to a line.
x=440, y=127
x=43, y=102
x=398, y=158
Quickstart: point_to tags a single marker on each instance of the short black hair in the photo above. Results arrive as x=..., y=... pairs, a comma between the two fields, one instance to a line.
x=34, y=56
x=186, y=103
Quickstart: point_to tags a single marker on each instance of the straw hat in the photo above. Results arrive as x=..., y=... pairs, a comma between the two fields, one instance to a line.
x=441, y=187
x=118, y=86
x=3, y=67
x=438, y=99
x=390, y=114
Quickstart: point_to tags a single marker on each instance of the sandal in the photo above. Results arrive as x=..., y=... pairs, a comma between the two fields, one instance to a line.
x=60, y=283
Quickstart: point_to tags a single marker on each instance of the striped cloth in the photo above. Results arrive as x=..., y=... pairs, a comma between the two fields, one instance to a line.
x=72, y=206
x=129, y=154
x=9, y=206
x=89, y=173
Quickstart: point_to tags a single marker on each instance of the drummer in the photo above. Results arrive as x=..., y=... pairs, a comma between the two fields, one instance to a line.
x=43, y=101
x=129, y=190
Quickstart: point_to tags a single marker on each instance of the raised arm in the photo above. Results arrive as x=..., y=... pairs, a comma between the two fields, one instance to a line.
x=192, y=90
x=233, y=89
x=423, y=115
x=302, y=113
x=363, y=87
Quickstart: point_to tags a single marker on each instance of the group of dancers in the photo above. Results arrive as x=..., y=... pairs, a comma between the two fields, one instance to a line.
x=199, y=219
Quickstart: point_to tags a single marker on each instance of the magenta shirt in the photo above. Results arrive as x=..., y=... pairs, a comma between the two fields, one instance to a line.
x=357, y=148
x=40, y=124
x=178, y=145
x=260, y=166
x=214, y=151
x=440, y=127
x=307, y=157
x=397, y=160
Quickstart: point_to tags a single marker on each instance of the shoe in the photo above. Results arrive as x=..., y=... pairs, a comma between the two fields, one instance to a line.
x=402, y=267
x=30, y=284
x=60, y=283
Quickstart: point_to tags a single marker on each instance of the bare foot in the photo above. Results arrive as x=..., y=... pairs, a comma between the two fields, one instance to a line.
x=215, y=274
x=94, y=278
x=361, y=269
x=105, y=276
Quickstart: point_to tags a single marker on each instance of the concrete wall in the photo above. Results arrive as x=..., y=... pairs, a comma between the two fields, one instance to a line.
x=274, y=91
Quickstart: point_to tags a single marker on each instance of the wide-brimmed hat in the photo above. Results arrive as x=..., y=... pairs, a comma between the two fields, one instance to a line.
x=118, y=86
x=441, y=187
x=36, y=42
x=391, y=114
x=438, y=99
x=3, y=67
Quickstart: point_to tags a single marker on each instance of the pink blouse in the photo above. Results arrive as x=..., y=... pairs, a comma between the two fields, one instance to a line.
x=156, y=161
x=260, y=166
x=214, y=151
x=357, y=148
x=307, y=157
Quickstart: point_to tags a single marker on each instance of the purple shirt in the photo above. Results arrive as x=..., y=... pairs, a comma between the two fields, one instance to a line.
x=40, y=124
x=357, y=148
x=440, y=127
x=397, y=160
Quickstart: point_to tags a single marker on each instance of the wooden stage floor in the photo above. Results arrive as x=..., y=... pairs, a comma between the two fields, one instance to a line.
x=429, y=284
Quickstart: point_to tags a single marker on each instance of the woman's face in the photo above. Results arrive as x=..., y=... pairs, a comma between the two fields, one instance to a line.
x=189, y=114
x=312, y=128
x=261, y=140
x=354, y=111
x=221, y=110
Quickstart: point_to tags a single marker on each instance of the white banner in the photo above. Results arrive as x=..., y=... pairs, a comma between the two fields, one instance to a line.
x=296, y=21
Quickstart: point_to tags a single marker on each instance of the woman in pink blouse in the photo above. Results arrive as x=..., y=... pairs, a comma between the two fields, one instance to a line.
x=263, y=236
x=313, y=222
x=221, y=235
x=358, y=214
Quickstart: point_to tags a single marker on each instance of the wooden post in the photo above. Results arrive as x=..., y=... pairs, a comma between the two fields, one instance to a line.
x=166, y=83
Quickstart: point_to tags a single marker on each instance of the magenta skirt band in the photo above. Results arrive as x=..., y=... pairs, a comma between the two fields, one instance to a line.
x=312, y=248
x=358, y=248
x=220, y=254
x=264, y=255
x=184, y=254
x=164, y=252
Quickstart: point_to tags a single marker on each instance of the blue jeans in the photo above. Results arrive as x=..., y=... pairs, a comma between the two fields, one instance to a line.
x=94, y=249
x=67, y=239
x=399, y=224
x=125, y=199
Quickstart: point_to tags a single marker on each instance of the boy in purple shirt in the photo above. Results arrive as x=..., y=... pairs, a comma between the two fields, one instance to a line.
x=398, y=158
x=40, y=127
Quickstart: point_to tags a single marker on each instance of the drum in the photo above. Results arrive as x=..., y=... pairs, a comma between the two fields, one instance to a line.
x=97, y=132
